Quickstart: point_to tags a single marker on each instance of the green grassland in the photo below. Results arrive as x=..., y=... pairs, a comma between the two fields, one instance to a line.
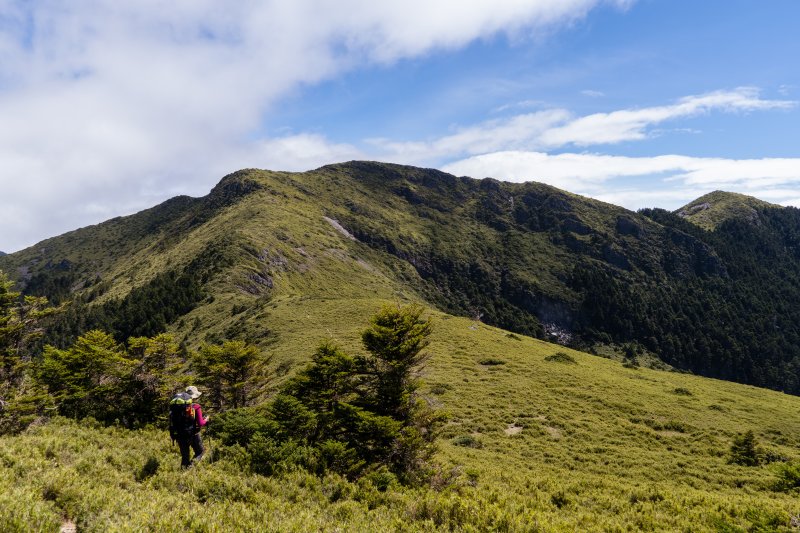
x=539, y=437
x=534, y=443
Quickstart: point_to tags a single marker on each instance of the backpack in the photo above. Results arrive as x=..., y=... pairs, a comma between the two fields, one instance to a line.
x=182, y=417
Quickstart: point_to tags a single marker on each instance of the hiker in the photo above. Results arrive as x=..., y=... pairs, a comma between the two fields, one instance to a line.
x=185, y=420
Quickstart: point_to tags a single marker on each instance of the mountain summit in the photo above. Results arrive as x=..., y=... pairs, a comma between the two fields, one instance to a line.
x=714, y=208
x=266, y=248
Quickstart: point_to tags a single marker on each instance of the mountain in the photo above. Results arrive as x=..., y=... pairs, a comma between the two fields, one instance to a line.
x=714, y=208
x=266, y=251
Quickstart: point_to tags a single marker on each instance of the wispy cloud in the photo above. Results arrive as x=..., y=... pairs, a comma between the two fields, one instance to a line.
x=518, y=131
x=634, y=124
x=557, y=128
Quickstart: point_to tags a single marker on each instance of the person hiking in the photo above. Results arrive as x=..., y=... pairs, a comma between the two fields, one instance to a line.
x=185, y=420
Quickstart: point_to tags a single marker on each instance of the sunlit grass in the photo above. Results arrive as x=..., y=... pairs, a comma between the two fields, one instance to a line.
x=563, y=446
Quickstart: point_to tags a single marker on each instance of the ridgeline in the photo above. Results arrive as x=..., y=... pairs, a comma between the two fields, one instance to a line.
x=709, y=289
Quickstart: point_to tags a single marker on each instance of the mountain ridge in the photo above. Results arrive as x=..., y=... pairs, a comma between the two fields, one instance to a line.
x=528, y=257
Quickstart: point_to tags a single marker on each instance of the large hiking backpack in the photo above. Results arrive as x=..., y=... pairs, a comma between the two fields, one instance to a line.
x=182, y=417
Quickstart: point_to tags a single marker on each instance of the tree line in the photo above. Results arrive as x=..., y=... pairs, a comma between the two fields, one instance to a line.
x=126, y=383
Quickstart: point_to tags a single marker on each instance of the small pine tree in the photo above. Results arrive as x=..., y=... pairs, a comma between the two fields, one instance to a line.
x=361, y=413
x=155, y=375
x=229, y=371
x=395, y=340
x=744, y=450
x=89, y=378
x=21, y=399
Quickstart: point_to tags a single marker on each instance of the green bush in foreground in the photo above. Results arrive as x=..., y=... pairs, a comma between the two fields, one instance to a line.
x=344, y=414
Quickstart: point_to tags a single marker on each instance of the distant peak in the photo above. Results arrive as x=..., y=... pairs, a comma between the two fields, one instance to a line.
x=714, y=208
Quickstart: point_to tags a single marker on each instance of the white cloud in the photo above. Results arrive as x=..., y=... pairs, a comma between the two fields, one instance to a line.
x=632, y=124
x=555, y=128
x=665, y=181
x=519, y=131
x=120, y=103
x=300, y=152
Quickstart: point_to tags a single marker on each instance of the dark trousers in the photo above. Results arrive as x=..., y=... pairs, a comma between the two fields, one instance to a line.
x=195, y=443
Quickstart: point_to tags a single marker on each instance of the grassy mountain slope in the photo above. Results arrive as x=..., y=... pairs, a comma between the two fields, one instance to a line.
x=714, y=208
x=540, y=444
x=287, y=259
x=526, y=257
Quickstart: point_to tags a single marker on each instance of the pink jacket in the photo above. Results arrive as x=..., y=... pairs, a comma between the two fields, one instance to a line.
x=198, y=411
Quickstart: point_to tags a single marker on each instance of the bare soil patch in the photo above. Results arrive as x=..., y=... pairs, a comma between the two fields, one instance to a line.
x=553, y=432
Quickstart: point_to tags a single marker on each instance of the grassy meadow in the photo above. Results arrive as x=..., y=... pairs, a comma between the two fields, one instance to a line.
x=540, y=438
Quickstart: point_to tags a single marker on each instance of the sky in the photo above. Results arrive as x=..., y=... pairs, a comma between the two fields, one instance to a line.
x=108, y=107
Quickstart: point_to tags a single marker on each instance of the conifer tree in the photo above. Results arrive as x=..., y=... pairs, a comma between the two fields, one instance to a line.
x=20, y=325
x=395, y=340
x=229, y=372
x=156, y=374
x=89, y=378
x=363, y=411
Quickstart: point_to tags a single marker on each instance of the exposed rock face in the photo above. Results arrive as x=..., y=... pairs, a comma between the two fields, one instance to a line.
x=687, y=212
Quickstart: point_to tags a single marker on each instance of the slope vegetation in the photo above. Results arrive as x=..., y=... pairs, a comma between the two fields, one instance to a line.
x=540, y=438
x=525, y=257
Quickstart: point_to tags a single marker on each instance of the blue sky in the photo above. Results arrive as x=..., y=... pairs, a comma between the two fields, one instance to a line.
x=108, y=107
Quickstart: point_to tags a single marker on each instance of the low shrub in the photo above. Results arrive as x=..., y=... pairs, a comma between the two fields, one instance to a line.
x=382, y=479
x=491, y=361
x=440, y=388
x=238, y=426
x=788, y=477
x=148, y=470
x=467, y=441
x=559, y=499
x=561, y=357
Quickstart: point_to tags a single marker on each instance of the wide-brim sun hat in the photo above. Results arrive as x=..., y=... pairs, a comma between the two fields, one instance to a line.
x=192, y=391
